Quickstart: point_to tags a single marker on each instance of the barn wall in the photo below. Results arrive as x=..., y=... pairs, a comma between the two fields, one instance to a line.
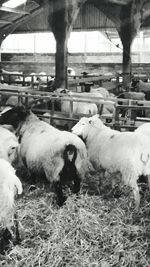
x=93, y=62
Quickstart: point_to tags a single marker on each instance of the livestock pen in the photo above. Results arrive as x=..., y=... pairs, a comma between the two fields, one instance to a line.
x=99, y=227
x=82, y=81
x=38, y=100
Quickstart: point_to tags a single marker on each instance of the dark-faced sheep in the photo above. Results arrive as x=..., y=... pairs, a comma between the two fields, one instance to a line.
x=60, y=156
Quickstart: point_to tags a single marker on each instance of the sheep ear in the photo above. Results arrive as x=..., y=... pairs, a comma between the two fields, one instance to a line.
x=9, y=127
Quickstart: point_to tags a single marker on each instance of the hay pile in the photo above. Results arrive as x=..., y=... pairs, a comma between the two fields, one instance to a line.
x=94, y=229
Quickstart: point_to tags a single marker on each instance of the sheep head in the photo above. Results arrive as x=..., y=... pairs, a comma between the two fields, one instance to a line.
x=84, y=125
x=14, y=116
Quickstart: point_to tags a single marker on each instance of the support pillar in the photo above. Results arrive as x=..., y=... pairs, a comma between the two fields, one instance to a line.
x=2, y=37
x=127, y=19
x=130, y=22
x=61, y=21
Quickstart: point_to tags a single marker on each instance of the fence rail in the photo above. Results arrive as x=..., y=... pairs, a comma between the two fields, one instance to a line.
x=115, y=120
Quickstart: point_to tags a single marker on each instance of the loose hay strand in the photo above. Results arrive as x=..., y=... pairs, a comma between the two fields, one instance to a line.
x=90, y=230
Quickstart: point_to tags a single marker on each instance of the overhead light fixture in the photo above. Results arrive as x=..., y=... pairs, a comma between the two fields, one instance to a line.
x=14, y=3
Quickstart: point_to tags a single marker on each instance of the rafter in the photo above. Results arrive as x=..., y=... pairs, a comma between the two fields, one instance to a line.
x=2, y=21
x=13, y=10
x=10, y=28
x=119, y=2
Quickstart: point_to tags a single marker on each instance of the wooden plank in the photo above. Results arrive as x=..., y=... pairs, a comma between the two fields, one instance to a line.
x=89, y=79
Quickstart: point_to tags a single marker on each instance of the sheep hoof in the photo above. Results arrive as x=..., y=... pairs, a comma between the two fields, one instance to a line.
x=59, y=193
x=60, y=201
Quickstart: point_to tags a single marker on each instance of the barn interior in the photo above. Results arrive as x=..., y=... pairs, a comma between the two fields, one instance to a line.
x=122, y=23
x=64, y=60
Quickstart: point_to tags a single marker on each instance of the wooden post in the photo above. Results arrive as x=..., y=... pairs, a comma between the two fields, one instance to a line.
x=61, y=19
x=52, y=111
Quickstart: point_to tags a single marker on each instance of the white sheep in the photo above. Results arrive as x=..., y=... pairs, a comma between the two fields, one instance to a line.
x=10, y=186
x=105, y=107
x=144, y=128
x=9, y=145
x=59, y=155
x=101, y=90
x=71, y=72
x=32, y=77
x=78, y=107
x=57, y=122
x=114, y=151
x=9, y=77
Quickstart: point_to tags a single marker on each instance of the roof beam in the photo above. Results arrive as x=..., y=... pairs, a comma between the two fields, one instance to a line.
x=2, y=21
x=8, y=29
x=119, y=2
x=13, y=10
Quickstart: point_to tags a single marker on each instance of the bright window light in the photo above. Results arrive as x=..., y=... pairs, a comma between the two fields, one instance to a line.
x=14, y=3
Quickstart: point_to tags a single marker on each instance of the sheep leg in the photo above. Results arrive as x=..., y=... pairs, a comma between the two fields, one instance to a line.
x=101, y=176
x=59, y=193
x=76, y=187
x=148, y=179
x=136, y=193
x=17, y=239
x=6, y=237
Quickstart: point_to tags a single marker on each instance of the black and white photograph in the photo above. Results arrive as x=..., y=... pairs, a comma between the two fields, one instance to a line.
x=74, y=133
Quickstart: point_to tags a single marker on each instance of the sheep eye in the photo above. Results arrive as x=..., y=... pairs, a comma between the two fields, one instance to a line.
x=90, y=121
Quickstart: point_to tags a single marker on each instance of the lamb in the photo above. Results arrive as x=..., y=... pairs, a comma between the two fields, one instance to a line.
x=10, y=186
x=59, y=156
x=114, y=151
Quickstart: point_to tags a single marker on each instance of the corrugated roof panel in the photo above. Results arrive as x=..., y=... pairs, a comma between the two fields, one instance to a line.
x=91, y=18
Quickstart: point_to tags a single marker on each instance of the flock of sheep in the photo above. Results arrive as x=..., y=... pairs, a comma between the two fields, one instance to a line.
x=62, y=157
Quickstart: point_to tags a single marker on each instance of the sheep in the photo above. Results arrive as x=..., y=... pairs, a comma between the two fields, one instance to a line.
x=79, y=107
x=141, y=86
x=103, y=91
x=132, y=95
x=32, y=77
x=71, y=72
x=43, y=78
x=13, y=101
x=144, y=128
x=9, y=145
x=10, y=186
x=60, y=156
x=104, y=108
x=114, y=151
x=8, y=76
x=61, y=124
